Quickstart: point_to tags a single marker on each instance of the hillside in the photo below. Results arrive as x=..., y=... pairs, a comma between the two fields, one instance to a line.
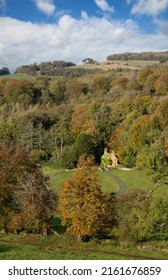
x=52, y=125
x=132, y=61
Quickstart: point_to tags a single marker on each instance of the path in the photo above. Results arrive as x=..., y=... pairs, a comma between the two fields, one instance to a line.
x=118, y=181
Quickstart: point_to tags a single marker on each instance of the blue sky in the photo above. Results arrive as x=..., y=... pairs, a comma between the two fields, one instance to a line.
x=45, y=30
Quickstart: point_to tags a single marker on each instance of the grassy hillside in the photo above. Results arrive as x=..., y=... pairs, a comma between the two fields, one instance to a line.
x=32, y=247
x=133, y=179
x=115, y=64
x=18, y=76
x=59, y=175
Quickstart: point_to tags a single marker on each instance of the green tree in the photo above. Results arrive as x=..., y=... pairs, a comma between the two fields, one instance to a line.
x=135, y=217
x=153, y=159
x=57, y=89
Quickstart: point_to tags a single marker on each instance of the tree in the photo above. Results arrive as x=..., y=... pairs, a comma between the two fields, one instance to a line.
x=136, y=217
x=153, y=159
x=4, y=71
x=57, y=89
x=89, y=61
x=25, y=200
x=23, y=92
x=143, y=74
x=161, y=85
x=86, y=211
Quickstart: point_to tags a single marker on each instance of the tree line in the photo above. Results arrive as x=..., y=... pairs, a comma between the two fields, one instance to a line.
x=62, y=118
x=146, y=56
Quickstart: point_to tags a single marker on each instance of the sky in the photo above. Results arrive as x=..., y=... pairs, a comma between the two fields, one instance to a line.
x=35, y=31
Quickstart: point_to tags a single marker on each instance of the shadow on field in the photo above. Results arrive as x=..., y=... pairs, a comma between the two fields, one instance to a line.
x=5, y=248
x=56, y=225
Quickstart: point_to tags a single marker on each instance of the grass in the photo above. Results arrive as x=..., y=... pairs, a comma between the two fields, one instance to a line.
x=133, y=179
x=59, y=175
x=33, y=247
x=115, y=64
x=107, y=183
x=18, y=76
x=137, y=179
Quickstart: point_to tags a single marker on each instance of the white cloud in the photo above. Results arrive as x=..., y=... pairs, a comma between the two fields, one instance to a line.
x=45, y=6
x=72, y=40
x=84, y=15
x=104, y=6
x=151, y=7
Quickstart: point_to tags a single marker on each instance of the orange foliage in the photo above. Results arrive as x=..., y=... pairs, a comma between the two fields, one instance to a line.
x=85, y=209
x=82, y=122
x=138, y=134
x=161, y=84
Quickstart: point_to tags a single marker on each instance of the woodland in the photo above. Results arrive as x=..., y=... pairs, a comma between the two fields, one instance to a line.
x=68, y=120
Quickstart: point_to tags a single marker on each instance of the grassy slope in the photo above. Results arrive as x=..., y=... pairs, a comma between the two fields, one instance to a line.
x=17, y=76
x=133, y=179
x=115, y=64
x=60, y=248
x=58, y=176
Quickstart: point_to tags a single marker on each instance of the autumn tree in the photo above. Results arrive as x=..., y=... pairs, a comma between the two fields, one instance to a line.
x=161, y=85
x=25, y=200
x=102, y=84
x=85, y=209
x=143, y=74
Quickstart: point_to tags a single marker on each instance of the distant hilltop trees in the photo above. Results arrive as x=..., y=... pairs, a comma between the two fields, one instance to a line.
x=4, y=71
x=56, y=68
x=44, y=68
x=89, y=61
x=147, y=56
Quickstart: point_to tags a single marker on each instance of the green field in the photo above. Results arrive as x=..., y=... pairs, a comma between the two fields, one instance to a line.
x=34, y=247
x=59, y=175
x=133, y=179
x=137, y=179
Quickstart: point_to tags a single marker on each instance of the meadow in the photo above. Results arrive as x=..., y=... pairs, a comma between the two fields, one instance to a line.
x=132, y=179
x=35, y=247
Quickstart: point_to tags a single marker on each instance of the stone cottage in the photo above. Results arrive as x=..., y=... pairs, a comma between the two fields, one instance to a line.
x=109, y=159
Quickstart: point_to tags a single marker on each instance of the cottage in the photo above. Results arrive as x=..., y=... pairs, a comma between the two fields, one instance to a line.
x=109, y=159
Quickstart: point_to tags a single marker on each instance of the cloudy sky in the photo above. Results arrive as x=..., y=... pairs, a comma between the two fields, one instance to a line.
x=46, y=30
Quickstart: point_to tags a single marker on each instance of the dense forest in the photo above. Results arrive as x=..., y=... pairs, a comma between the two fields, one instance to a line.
x=70, y=120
